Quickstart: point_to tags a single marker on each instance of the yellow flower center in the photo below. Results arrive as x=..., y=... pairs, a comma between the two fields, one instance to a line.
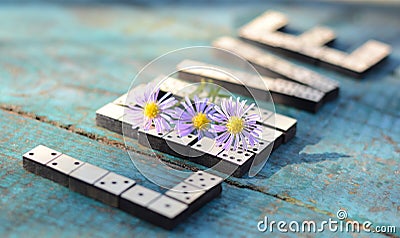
x=151, y=110
x=200, y=121
x=235, y=125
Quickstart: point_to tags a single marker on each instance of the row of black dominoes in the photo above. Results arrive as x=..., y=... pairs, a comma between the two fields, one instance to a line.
x=169, y=142
x=273, y=66
x=311, y=45
x=165, y=210
x=276, y=129
x=112, y=116
x=282, y=91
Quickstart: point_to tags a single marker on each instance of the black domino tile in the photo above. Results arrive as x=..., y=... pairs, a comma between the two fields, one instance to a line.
x=152, y=139
x=146, y=211
x=164, y=210
x=59, y=169
x=35, y=160
x=128, y=130
x=109, y=123
x=284, y=124
x=110, y=187
x=83, y=179
x=279, y=141
x=204, y=197
x=135, y=200
x=156, y=210
x=207, y=194
x=273, y=136
x=210, y=155
x=261, y=156
x=179, y=146
x=213, y=188
x=109, y=116
x=236, y=162
x=205, y=152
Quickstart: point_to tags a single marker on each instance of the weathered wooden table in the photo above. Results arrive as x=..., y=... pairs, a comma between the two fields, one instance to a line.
x=59, y=64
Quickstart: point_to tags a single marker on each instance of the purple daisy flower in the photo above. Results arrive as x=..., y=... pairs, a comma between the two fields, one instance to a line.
x=150, y=111
x=195, y=118
x=234, y=125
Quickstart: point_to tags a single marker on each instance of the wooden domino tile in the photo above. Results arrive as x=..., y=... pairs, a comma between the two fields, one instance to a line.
x=165, y=210
x=276, y=67
x=282, y=91
x=311, y=45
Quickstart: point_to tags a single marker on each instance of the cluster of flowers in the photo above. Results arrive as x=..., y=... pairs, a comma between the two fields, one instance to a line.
x=228, y=123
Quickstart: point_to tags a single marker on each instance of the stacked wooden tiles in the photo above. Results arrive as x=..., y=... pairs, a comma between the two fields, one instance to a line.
x=165, y=210
x=312, y=45
x=276, y=129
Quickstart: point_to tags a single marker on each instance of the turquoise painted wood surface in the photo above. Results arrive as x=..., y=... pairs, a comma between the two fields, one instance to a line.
x=59, y=64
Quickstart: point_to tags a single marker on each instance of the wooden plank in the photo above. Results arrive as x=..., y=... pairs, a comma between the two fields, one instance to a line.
x=345, y=156
x=31, y=201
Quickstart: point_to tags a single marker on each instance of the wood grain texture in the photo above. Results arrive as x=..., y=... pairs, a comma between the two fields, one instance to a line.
x=39, y=207
x=60, y=64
